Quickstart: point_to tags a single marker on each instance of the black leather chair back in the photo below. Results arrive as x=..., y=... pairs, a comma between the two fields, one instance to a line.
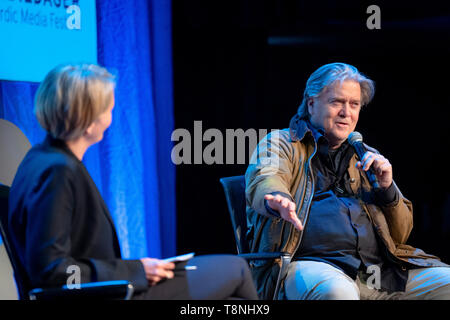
x=20, y=274
x=234, y=188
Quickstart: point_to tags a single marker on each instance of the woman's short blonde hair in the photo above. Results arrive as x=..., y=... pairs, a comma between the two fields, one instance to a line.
x=71, y=97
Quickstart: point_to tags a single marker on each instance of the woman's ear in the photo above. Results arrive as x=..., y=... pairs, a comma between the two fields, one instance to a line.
x=89, y=130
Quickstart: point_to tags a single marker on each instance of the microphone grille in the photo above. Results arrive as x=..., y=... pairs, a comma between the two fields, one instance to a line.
x=355, y=136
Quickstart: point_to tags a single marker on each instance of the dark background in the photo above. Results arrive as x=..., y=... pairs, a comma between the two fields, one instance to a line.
x=244, y=64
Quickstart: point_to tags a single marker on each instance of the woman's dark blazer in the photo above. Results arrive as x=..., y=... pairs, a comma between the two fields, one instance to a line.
x=58, y=218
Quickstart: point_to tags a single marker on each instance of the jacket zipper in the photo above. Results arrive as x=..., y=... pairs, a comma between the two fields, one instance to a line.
x=309, y=174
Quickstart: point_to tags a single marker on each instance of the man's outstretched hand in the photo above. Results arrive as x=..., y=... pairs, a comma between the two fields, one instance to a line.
x=286, y=209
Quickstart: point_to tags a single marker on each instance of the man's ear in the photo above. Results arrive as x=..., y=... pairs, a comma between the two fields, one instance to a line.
x=310, y=104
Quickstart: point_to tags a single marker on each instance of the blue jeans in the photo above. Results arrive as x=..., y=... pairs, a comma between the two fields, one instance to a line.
x=313, y=280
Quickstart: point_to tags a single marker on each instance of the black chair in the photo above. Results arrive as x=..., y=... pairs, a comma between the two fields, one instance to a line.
x=234, y=188
x=96, y=290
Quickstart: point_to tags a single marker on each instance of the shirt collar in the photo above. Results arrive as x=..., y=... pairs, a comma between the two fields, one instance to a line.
x=304, y=126
x=317, y=133
x=59, y=144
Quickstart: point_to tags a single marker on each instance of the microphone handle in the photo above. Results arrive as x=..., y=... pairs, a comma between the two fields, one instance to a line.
x=360, y=151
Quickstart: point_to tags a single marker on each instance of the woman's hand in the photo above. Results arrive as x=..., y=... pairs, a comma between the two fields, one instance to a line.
x=157, y=270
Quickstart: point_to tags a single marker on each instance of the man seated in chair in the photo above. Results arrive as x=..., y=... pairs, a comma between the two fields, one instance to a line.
x=308, y=194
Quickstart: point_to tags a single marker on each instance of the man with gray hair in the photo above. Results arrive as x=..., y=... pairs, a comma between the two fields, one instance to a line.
x=347, y=236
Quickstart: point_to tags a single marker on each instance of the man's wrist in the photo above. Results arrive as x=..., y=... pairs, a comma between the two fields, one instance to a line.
x=387, y=196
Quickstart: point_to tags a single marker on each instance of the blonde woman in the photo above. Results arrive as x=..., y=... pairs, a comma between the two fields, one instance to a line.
x=59, y=219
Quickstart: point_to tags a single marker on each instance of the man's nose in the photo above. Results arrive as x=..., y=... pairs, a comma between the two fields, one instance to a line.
x=345, y=110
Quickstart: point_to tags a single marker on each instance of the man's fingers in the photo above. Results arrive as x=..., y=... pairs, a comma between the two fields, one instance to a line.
x=271, y=201
x=297, y=223
x=366, y=156
x=368, y=162
x=380, y=165
x=277, y=202
x=295, y=220
x=291, y=206
x=385, y=167
x=269, y=197
x=368, y=159
x=278, y=198
x=285, y=207
x=290, y=215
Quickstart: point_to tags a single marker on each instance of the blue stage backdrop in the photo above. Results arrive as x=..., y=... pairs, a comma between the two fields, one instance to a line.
x=131, y=166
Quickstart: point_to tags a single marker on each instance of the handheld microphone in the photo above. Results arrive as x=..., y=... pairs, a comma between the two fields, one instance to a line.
x=356, y=140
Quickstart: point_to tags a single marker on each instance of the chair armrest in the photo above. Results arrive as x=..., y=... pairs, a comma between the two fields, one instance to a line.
x=264, y=255
x=285, y=259
x=104, y=290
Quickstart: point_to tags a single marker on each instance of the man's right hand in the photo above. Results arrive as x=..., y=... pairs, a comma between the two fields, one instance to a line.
x=285, y=207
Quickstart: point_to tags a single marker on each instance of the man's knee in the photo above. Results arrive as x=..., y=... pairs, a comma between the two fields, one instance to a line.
x=313, y=280
x=429, y=283
x=336, y=289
